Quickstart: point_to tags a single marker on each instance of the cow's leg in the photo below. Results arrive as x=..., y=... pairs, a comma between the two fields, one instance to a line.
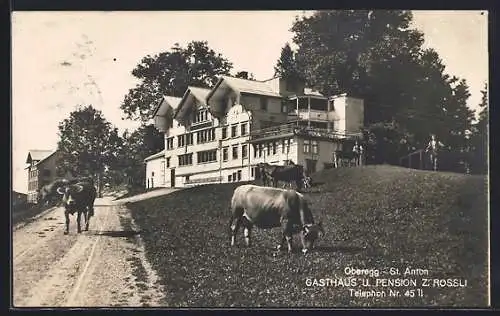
x=66, y=215
x=87, y=219
x=286, y=235
x=78, y=220
x=280, y=245
x=246, y=233
x=235, y=224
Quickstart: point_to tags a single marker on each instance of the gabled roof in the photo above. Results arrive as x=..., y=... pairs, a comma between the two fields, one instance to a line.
x=246, y=86
x=157, y=155
x=200, y=94
x=173, y=102
x=38, y=155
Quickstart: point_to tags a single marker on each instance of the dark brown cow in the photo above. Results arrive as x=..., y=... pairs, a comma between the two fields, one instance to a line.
x=78, y=197
x=266, y=208
x=48, y=193
x=289, y=173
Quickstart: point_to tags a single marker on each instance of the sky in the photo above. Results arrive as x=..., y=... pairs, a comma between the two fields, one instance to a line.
x=64, y=59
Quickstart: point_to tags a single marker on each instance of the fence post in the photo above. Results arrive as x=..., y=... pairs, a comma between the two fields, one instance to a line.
x=421, y=160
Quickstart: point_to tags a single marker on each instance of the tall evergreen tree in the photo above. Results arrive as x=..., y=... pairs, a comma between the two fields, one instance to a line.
x=376, y=56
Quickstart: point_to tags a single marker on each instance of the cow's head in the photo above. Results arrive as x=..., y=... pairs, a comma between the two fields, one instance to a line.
x=67, y=193
x=310, y=233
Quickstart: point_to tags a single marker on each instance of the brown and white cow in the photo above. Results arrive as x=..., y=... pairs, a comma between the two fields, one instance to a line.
x=265, y=208
x=78, y=197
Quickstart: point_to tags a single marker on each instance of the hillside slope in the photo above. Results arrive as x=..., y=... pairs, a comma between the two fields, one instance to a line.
x=376, y=217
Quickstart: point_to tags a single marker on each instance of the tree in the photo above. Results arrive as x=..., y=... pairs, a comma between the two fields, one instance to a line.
x=244, y=75
x=374, y=55
x=89, y=144
x=479, y=137
x=287, y=66
x=170, y=73
x=141, y=143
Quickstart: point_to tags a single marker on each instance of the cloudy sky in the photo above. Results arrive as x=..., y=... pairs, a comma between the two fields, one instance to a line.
x=62, y=59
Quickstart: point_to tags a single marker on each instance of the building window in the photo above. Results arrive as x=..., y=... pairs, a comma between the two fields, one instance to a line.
x=268, y=149
x=315, y=147
x=189, y=139
x=244, y=151
x=225, y=154
x=201, y=116
x=307, y=146
x=181, y=140
x=233, y=130
x=252, y=172
x=168, y=162
x=261, y=150
x=187, y=178
x=207, y=156
x=263, y=103
x=170, y=143
x=205, y=136
x=239, y=175
x=275, y=147
x=152, y=173
x=243, y=129
x=235, y=152
x=224, y=132
x=186, y=159
x=230, y=178
x=234, y=176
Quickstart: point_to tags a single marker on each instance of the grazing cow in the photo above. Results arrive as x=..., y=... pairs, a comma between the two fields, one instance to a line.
x=340, y=157
x=288, y=173
x=78, y=197
x=267, y=208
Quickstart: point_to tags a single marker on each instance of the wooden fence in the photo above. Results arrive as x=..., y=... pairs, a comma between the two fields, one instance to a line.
x=414, y=160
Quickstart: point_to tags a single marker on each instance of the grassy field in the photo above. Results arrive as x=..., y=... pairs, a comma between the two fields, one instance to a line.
x=25, y=213
x=375, y=217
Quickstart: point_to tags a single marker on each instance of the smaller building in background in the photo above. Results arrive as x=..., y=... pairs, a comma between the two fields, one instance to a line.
x=41, y=171
x=19, y=199
x=155, y=170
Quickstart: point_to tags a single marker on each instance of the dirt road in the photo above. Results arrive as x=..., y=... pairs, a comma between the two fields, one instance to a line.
x=104, y=266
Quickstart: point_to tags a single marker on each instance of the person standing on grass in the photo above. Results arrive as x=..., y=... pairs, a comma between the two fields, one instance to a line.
x=433, y=146
x=358, y=153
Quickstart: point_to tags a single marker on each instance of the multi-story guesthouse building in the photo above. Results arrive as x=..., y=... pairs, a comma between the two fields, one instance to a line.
x=41, y=171
x=220, y=134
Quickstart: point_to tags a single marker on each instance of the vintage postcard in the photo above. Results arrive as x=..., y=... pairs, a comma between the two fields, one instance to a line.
x=256, y=159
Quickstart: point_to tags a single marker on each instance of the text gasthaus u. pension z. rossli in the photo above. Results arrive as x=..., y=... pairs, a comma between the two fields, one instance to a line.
x=390, y=281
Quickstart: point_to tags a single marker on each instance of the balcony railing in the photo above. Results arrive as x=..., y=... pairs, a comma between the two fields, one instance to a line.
x=204, y=180
x=292, y=128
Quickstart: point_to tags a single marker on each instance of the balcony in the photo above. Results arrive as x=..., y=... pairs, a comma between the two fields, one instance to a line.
x=207, y=180
x=292, y=129
x=313, y=115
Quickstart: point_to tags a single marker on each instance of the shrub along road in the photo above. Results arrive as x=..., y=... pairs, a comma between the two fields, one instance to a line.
x=376, y=217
